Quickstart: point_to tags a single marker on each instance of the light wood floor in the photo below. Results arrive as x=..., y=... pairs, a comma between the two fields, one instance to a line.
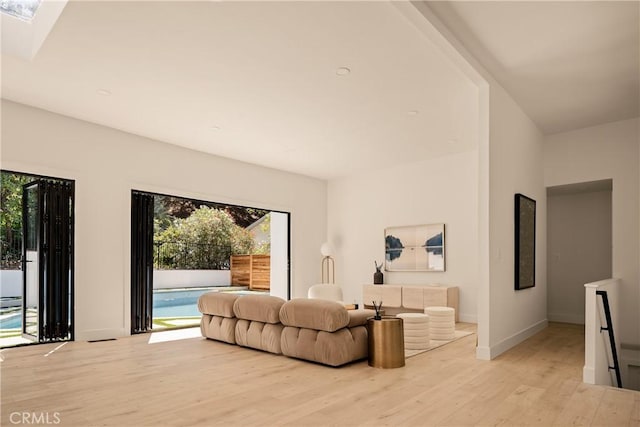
x=129, y=382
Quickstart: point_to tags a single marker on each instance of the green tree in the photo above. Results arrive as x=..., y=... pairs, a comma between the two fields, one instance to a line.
x=242, y=216
x=11, y=217
x=11, y=200
x=204, y=240
x=169, y=207
x=264, y=247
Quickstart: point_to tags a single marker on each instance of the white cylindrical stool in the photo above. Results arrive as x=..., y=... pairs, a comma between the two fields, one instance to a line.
x=442, y=322
x=416, y=331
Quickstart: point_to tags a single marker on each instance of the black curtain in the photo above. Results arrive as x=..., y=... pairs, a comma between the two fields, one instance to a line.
x=56, y=248
x=141, y=262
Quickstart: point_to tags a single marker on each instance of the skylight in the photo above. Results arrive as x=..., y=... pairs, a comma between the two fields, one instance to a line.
x=23, y=9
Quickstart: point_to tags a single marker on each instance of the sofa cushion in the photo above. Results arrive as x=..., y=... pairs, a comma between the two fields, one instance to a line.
x=218, y=328
x=261, y=308
x=359, y=317
x=321, y=315
x=217, y=303
x=333, y=349
x=259, y=335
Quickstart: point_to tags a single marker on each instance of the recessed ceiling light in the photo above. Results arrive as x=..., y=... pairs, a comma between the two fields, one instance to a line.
x=413, y=112
x=343, y=71
x=103, y=92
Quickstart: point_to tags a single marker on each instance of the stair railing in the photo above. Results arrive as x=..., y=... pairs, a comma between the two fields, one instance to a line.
x=612, y=354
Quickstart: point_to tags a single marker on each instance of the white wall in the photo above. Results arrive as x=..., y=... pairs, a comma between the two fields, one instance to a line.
x=10, y=283
x=515, y=159
x=608, y=151
x=166, y=279
x=279, y=261
x=441, y=190
x=106, y=164
x=578, y=250
x=510, y=161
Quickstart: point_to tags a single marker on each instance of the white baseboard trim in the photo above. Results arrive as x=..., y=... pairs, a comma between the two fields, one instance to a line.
x=100, y=334
x=513, y=340
x=577, y=319
x=588, y=375
x=483, y=353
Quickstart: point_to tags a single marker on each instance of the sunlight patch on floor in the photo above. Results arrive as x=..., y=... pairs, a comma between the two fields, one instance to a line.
x=56, y=349
x=175, y=335
x=13, y=341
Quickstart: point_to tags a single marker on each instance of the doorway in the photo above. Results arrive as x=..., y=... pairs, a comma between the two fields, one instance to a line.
x=579, y=245
x=182, y=248
x=37, y=259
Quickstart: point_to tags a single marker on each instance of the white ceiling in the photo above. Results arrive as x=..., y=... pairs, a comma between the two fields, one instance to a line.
x=569, y=64
x=255, y=81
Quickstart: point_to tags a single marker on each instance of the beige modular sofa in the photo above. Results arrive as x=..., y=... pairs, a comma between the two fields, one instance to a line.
x=249, y=320
x=310, y=329
x=218, y=319
x=324, y=331
x=258, y=323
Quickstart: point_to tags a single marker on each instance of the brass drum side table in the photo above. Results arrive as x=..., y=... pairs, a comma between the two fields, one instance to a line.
x=386, y=342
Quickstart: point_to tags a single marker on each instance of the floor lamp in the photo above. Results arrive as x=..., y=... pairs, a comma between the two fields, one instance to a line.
x=328, y=266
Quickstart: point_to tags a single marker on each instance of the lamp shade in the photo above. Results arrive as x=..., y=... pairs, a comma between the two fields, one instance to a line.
x=326, y=249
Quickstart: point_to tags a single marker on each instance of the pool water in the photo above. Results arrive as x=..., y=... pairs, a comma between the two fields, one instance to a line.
x=189, y=310
x=11, y=322
x=177, y=303
x=180, y=303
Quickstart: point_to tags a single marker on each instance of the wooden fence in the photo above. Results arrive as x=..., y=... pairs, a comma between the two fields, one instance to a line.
x=251, y=270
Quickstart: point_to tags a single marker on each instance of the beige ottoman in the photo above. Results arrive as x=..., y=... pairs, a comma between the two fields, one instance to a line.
x=416, y=331
x=442, y=322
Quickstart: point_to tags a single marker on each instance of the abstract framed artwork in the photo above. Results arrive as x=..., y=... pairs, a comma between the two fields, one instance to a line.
x=415, y=248
x=525, y=242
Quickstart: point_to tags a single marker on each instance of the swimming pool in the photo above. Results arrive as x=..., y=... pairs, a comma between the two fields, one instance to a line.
x=11, y=322
x=177, y=303
x=181, y=302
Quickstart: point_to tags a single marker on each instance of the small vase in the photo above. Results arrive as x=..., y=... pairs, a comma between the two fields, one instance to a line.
x=378, y=278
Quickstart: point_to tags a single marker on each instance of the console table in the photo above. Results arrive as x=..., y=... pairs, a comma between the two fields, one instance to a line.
x=401, y=298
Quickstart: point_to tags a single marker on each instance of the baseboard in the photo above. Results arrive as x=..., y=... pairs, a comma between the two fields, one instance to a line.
x=100, y=334
x=513, y=340
x=483, y=353
x=588, y=375
x=577, y=319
